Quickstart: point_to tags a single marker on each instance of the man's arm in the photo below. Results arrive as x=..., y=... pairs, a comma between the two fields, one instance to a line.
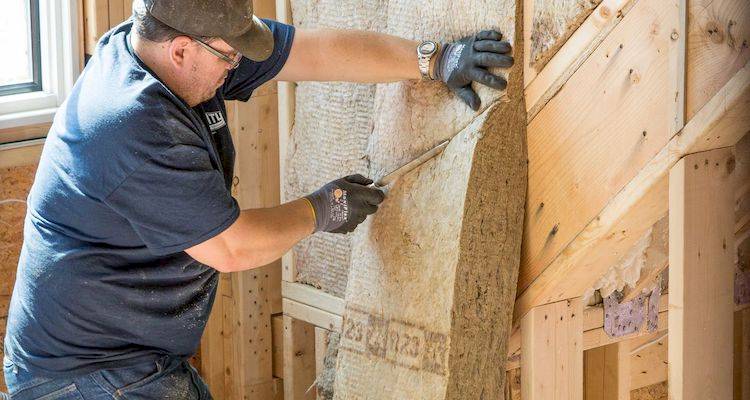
x=350, y=56
x=257, y=237
x=262, y=235
x=362, y=56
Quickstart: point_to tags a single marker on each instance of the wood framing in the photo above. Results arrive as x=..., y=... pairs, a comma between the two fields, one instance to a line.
x=720, y=123
x=20, y=154
x=607, y=372
x=584, y=149
x=542, y=85
x=552, y=357
x=299, y=359
x=701, y=242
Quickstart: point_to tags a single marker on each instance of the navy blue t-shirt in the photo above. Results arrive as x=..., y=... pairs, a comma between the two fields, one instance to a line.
x=130, y=177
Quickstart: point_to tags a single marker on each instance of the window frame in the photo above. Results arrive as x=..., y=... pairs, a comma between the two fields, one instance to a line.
x=60, y=64
x=36, y=58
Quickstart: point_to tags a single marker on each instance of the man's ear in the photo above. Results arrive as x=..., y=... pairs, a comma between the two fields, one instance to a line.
x=179, y=50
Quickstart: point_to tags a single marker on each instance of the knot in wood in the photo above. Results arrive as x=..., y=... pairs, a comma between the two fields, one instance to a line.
x=715, y=34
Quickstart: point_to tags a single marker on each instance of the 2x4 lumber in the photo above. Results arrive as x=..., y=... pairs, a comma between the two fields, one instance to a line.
x=257, y=165
x=313, y=297
x=607, y=372
x=286, y=120
x=598, y=132
x=277, y=333
x=253, y=333
x=718, y=46
x=701, y=278
x=96, y=22
x=116, y=11
x=27, y=132
x=299, y=359
x=542, y=85
x=312, y=315
x=598, y=337
x=720, y=123
x=212, y=342
x=21, y=154
x=593, y=331
x=552, y=357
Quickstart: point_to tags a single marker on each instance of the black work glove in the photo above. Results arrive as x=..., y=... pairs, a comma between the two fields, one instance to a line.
x=343, y=204
x=467, y=60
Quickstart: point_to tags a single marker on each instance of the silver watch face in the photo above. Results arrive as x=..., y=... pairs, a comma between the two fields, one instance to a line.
x=427, y=48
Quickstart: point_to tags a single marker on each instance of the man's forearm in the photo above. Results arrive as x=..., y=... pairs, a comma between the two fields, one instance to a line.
x=258, y=237
x=268, y=233
x=350, y=55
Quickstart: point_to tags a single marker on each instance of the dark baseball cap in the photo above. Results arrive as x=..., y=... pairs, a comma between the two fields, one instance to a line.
x=231, y=20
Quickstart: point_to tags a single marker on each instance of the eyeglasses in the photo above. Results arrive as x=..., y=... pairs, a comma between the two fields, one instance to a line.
x=233, y=61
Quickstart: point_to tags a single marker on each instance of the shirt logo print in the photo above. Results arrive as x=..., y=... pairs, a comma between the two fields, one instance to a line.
x=215, y=120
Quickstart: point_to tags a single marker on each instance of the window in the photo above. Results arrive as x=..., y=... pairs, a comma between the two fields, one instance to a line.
x=40, y=42
x=19, y=38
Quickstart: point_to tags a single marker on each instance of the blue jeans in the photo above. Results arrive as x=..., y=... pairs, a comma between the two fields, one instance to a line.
x=165, y=378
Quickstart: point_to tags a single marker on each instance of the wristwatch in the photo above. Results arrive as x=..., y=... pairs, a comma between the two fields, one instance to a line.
x=425, y=51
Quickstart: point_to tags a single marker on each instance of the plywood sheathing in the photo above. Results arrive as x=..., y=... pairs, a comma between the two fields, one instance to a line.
x=332, y=123
x=15, y=183
x=553, y=23
x=431, y=287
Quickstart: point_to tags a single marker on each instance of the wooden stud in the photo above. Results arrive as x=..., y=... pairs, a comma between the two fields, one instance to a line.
x=277, y=332
x=96, y=22
x=701, y=243
x=253, y=353
x=257, y=140
x=607, y=372
x=299, y=359
x=116, y=12
x=552, y=357
x=286, y=121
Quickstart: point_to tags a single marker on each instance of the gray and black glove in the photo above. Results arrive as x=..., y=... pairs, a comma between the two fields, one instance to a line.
x=343, y=204
x=467, y=60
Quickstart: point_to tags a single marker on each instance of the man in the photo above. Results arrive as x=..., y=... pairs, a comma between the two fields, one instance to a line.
x=130, y=216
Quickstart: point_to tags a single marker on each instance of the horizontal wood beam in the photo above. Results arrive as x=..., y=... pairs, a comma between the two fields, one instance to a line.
x=20, y=154
x=720, y=123
x=593, y=331
x=312, y=315
x=306, y=294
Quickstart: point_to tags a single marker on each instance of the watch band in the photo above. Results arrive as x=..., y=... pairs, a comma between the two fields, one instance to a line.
x=424, y=56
